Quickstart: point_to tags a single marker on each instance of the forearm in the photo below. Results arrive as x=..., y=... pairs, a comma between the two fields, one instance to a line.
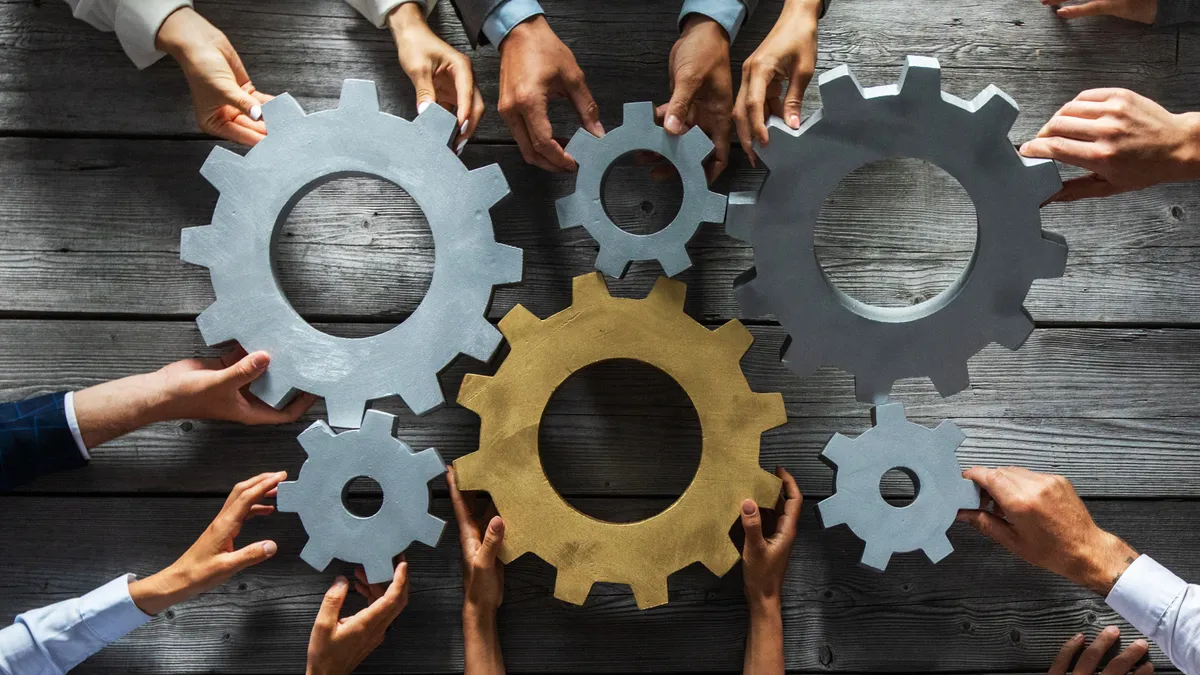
x=481, y=643
x=1190, y=152
x=809, y=10
x=112, y=409
x=764, y=642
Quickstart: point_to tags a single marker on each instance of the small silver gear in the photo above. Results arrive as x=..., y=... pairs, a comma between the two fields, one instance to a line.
x=928, y=456
x=585, y=206
x=259, y=189
x=336, y=459
x=856, y=126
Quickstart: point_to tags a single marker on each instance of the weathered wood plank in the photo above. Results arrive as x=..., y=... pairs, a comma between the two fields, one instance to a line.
x=1113, y=409
x=93, y=226
x=838, y=617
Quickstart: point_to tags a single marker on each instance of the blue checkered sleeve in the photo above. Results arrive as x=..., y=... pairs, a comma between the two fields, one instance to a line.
x=35, y=439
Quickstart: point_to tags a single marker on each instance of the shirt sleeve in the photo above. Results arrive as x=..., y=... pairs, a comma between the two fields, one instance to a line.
x=506, y=16
x=136, y=23
x=36, y=439
x=56, y=638
x=73, y=425
x=729, y=13
x=1163, y=607
x=1171, y=12
x=377, y=11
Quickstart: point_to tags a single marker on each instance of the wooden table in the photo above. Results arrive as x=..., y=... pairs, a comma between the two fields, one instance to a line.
x=99, y=167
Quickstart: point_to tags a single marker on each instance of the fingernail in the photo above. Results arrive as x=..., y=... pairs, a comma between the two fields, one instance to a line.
x=497, y=525
x=1024, y=147
x=1141, y=643
x=269, y=547
x=674, y=124
x=281, y=474
x=794, y=121
x=461, y=144
x=1078, y=637
x=463, y=128
x=1112, y=631
x=422, y=106
x=748, y=507
x=256, y=112
x=260, y=360
x=340, y=582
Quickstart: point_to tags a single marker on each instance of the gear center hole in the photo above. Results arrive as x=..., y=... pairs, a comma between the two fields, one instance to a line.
x=357, y=245
x=362, y=496
x=899, y=486
x=641, y=192
x=895, y=234
x=619, y=427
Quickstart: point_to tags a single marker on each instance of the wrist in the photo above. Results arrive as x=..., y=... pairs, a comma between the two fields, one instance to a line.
x=177, y=31
x=1103, y=562
x=406, y=17
x=532, y=29
x=809, y=10
x=763, y=604
x=478, y=619
x=703, y=26
x=158, y=592
x=1189, y=153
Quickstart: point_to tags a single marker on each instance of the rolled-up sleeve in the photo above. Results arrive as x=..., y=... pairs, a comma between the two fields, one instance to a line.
x=1163, y=607
x=136, y=23
x=377, y=11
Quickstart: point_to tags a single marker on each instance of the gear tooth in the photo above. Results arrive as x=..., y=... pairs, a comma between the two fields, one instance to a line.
x=797, y=358
x=739, y=215
x=1053, y=256
x=937, y=548
x=345, y=412
x=1042, y=177
x=771, y=409
x=214, y=327
x=948, y=432
x=669, y=294
x=639, y=113
x=888, y=414
x=695, y=146
x=950, y=378
x=713, y=208
x=280, y=113
x=470, y=472
x=770, y=154
x=438, y=122
x=472, y=388
x=429, y=530
x=481, y=340
x=582, y=144
x=735, y=335
x=840, y=90
x=921, y=77
x=511, y=548
x=428, y=464
x=675, y=262
x=315, y=438
x=650, y=592
x=767, y=487
x=519, y=323
x=875, y=557
x=833, y=511
x=872, y=389
x=377, y=423
x=572, y=211
x=589, y=289
x=1014, y=330
x=273, y=390
x=423, y=394
x=224, y=169
x=379, y=571
x=287, y=497
x=572, y=587
x=316, y=556
x=359, y=96
x=750, y=299
x=721, y=560
x=996, y=109
x=489, y=183
x=197, y=245
x=837, y=451
x=508, y=263
x=612, y=264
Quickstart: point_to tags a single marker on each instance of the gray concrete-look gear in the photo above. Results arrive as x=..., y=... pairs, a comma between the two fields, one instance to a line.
x=929, y=458
x=585, y=206
x=333, y=462
x=258, y=192
x=856, y=126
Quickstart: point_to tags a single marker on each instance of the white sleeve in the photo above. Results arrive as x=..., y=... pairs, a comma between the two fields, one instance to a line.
x=73, y=425
x=377, y=11
x=136, y=23
x=56, y=638
x=1164, y=607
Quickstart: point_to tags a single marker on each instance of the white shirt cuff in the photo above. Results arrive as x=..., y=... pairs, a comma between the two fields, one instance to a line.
x=109, y=611
x=137, y=23
x=73, y=424
x=376, y=11
x=1144, y=592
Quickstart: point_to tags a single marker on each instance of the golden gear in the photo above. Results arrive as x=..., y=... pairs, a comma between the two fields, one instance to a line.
x=597, y=327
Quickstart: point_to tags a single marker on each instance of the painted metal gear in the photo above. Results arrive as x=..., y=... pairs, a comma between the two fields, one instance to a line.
x=585, y=206
x=259, y=190
x=654, y=330
x=334, y=460
x=927, y=456
x=856, y=126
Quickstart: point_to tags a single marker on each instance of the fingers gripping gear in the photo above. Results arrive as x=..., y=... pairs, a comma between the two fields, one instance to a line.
x=257, y=192
x=597, y=327
x=928, y=455
x=335, y=460
x=585, y=206
x=856, y=126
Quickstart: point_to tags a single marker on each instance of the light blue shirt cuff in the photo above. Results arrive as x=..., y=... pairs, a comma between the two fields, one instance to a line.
x=729, y=13
x=506, y=16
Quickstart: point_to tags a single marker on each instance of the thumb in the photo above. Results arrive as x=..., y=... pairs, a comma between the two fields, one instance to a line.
x=686, y=85
x=1084, y=187
x=1089, y=8
x=238, y=98
x=331, y=606
x=752, y=524
x=422, y=79
x=797, y=83
x=991, y=526
x=492, y=539
x=249, y=555
x=246, y=370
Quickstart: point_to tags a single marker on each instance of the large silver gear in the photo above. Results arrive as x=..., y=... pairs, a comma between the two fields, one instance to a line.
x=258, y=191
x=336, y=459
x=856, y=126
x=585, y=206
x=928, y=456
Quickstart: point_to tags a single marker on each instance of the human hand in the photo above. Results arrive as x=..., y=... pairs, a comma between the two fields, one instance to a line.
x=1126, y=140
x=1127, y=662
x=1134, y=10
x=226, y=102
x=1039, y=518
x=764, y=565
x=483, y=579
x=440, y=73
x=337, y=646
x=212, y=560
x=701, y=88
x=536, y=67
x=789, y=52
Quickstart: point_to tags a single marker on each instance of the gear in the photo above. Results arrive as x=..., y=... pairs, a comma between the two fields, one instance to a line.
x=597, y=327
x=257, y=192
x=585, y=206
x=927, y=456
x=335, y=460
x=936, y=338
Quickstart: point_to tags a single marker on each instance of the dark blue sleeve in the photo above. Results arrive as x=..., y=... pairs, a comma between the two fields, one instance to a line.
x=35, y=440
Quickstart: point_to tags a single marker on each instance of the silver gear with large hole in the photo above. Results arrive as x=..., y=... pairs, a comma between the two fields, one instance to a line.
x=585, y=206
x=258, y=191
x=856, y=126
x=336, y=459
x=928, y=456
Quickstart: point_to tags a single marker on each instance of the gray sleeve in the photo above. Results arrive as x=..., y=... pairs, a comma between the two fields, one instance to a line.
x=473, y=13
x=1171, y=12
x=825, y=7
